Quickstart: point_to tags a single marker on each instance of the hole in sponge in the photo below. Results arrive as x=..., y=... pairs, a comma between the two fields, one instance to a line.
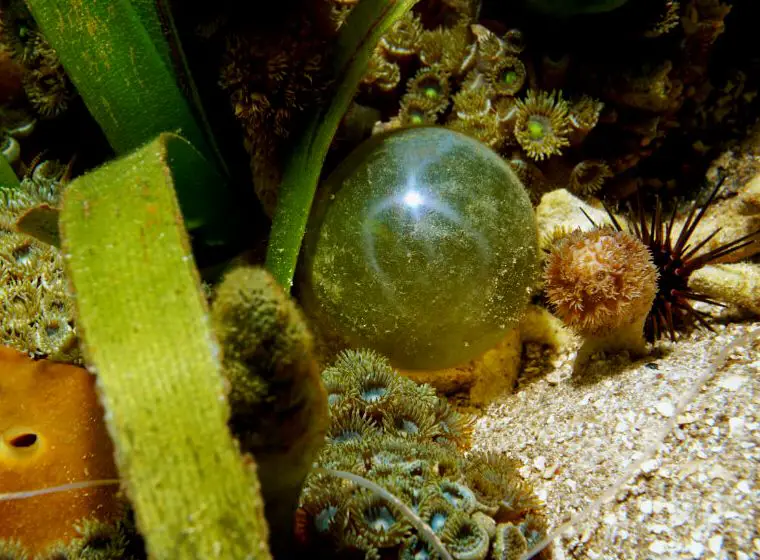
x=23, y=440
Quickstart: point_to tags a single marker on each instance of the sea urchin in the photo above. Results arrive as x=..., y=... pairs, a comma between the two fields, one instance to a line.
x=676, y=256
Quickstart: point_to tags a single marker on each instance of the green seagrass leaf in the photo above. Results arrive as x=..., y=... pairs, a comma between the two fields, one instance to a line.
x=368, y=21
x=145, y=331
x=8, y=178
x=123, y=76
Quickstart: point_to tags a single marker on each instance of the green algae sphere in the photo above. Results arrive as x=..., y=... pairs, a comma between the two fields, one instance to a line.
x=421, y=245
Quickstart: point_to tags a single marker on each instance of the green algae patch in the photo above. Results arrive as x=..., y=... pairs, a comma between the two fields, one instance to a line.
x=8, y=178
x=278, y=404
x=368, y=21
x=146, y=332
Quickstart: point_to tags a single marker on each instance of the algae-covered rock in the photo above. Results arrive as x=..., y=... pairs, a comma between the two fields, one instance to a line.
x=278, y=403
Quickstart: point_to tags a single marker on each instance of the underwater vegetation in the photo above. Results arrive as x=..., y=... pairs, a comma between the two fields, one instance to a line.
x=400, y=435
x=423, y=245
x=278, y=404
x=566, y=8
x=149, y=253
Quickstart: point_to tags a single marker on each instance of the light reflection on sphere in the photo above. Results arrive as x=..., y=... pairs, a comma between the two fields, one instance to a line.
x=422, y=245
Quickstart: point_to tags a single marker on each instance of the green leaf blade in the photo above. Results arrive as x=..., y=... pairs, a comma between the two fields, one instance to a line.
x=147, y=334
x=8, y=178
x=123, y=77
x=368, y=21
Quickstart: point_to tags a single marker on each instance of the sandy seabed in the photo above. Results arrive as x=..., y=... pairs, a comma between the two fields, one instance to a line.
x=697, y=496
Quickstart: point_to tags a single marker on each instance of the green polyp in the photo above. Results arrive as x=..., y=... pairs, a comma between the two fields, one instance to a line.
x=510, y=77
x=416, y=118
x=422, y=245
x=432, y=92
x=536, y=129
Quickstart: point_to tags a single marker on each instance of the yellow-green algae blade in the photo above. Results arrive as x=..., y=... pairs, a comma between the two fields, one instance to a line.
x=146, y=333
x=366, y=23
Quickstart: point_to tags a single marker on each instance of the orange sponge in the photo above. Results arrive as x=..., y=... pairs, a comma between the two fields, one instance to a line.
x=51, y=433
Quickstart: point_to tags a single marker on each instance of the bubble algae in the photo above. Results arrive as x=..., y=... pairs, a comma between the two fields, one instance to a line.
x=422, y=244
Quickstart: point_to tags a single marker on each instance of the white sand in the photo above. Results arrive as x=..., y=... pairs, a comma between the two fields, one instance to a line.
x=699, y=496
